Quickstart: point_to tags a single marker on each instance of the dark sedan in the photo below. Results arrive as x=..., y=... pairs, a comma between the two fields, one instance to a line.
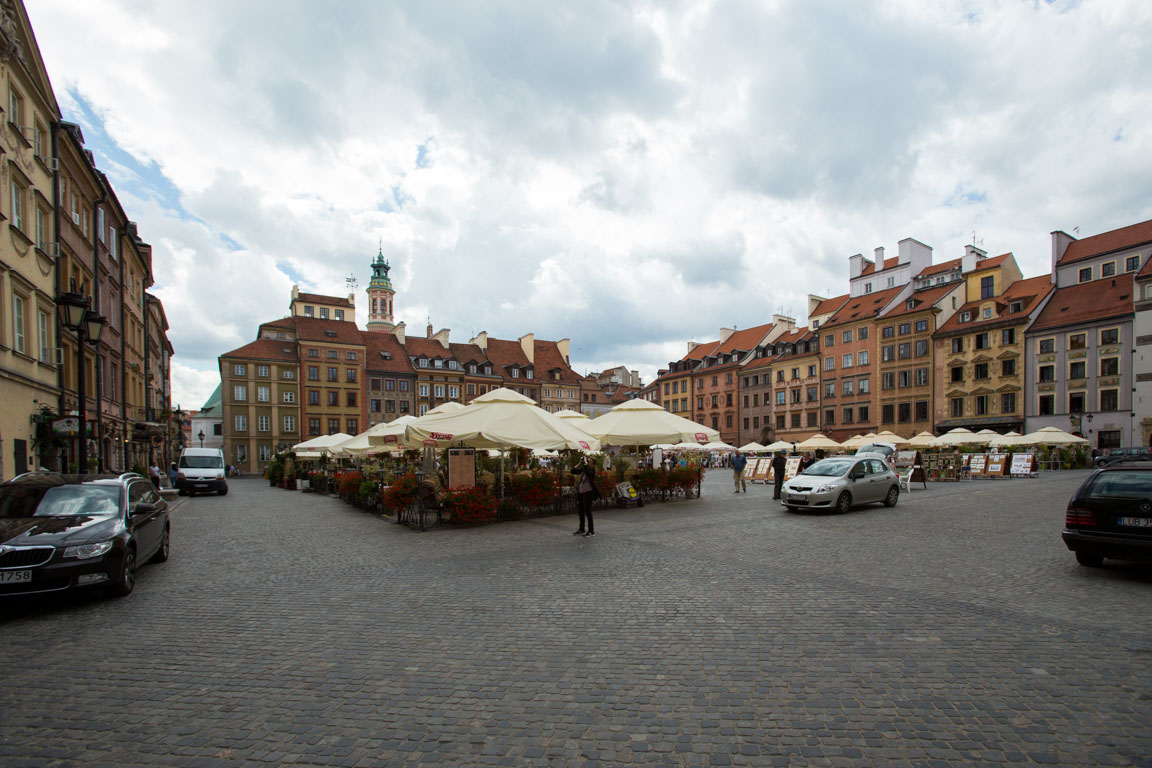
x=60, y=532
x=1111, y=514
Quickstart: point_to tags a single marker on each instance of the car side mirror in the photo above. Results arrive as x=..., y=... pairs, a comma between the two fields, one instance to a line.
x=144, y=507
x=856, y=473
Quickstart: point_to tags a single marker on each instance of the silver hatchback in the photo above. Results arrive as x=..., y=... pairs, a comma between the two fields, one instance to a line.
x=842, y=482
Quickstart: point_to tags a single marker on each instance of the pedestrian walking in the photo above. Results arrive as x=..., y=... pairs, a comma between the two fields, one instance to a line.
x=154, y=475
x=778, y=464
x=172, y=473
x=586, y=493
x=738, y=464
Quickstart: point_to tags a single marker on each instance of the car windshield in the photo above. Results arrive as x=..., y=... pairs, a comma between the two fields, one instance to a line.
x=58, y=500
x=873, y=448
x=829, y=467
x=1123, y=485
x=201, y=462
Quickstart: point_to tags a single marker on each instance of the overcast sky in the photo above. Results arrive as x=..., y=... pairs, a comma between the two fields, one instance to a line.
x=627, y=175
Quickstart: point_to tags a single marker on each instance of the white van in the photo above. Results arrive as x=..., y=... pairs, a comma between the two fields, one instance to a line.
x=201, y=469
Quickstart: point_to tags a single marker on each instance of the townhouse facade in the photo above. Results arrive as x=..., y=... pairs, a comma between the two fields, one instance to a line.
x=70, y=241
x=794, y=373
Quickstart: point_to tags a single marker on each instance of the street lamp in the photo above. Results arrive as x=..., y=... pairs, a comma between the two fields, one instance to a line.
x=76, y=316
x=201, y=436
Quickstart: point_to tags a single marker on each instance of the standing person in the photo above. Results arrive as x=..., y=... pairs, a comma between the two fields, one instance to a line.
x=806, y=460
x=778, y=464
x=172, y=472
x=586, y=493
x=154, y=475
x=738, y=464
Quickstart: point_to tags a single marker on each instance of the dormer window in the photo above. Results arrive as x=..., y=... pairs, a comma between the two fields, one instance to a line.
x=488, y=370
x=423, y=362
x=1016, y=306
x=911, y=304
x=309, y=311
x=471, y=368
x=965, y=317
x=515, y=373
x=330, y=334
x=528, y=373
x=438, y=363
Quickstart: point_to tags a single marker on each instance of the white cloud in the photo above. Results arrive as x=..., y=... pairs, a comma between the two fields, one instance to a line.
x=630, y=177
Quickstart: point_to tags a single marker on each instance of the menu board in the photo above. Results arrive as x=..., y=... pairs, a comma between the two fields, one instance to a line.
x=1023, y=465
x=977, y=463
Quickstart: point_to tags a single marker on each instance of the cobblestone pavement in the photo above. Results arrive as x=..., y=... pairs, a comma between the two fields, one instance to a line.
x=290, y=629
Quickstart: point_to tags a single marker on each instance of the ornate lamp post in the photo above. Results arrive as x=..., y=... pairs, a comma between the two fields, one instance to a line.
x=201, y=436
x=76, y=316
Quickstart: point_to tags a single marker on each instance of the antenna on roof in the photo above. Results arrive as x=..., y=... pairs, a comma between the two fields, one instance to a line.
x=1076, y=230
x=351, y=282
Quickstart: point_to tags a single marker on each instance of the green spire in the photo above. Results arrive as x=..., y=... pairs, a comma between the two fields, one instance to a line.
x=380, y=271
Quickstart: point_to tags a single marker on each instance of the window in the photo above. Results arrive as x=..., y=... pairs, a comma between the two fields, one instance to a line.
x=324, y=316
x=1047, y=373
x=796, y=371
x=965, y=317
x=957, y=407
x=1108, y=269
x=1110, y=366
x=313, y=426
x=812, y=419
x=846, y=416
x=904, y=379
x=1076, y=402
x=905, y=328
x=289, y=396
x=241, y=423
x=921, y=377
x=1046, y=405
x=921, y=410
x=921, y=347
x=829, y=365
x=957, y=373
x=333, y=426
x=829, y=419
x=904, y=412
x=350, y=375
x=1132, y=263
x=438, y=363
x=981, y=403
x=1080, y=340
x=46, y=344
x=239, y=370
x=888, y=414
x=862, y=414
x=1085, y=274
x=903, y=351
x=241, y=454
x=333, y=374
x=1047, y=346
x=868, y=288
x=862, y=357
x=981, y=341
x=333, y=398
x=987, y=287
x=313, y=373
x=1077, y=370
x=289, y=374
x=813, y=394
x=262, y=370
x=350, y=400
x=423, y=390
x=18, y=323
x=313, y=353
x=1008, y=367
x=1109, y=399
x=846, y=337
x=1007, y=337
x=957, y=345
x=309, y=312
x=849, y=387
x=780, y=397
x=888, y=353
x=780, y=375
x=862, y=332
x=888, y=331
x=829, y=340
x=1110, y=336
x=404, y=386
x=263, y=394
x=332, y=354
x=847, y=360
x=888, y=381
x=1008, y=402
x=263, y=424
x=339, y=314
x=17, y=205
x=863, y=386
x=239, y=392
x=830, y=389
x=980, y=371
x=313, y=397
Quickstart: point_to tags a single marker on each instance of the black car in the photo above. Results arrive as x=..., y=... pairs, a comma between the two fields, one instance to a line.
x=1138, y=453
x=1111, y=514
x=60, y=532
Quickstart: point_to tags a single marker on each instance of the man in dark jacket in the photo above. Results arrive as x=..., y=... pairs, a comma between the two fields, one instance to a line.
x=738, y=464
x=778, y=464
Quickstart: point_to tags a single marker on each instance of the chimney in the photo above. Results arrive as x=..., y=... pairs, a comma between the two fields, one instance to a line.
x=879, y=256
x=784, y=322
x=399, y=331
x=813, y=302
x=855, y=265
x=1060, y=243
x=635, y=379
x=428, y=331
x=972, y=256
x=725, y=333
x=692, y=346
x=442, y=337
x=528, y=344
x=481, y=340
x=915, y=253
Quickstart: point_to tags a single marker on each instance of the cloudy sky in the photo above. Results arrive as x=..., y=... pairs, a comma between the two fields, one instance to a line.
x=627, y=175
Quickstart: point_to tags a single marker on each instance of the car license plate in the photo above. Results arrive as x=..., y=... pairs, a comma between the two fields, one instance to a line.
x=1137, y=522
x=15, y=577
x=796, y=497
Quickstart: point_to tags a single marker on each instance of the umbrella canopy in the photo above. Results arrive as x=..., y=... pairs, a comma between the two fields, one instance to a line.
x=322, y=444
x=372, y=437
x=1006, y=440
x=1051, y=436
x=719, y=447
x=568, y=413
x=818, y=442
x=689, y=447
x=640, y=422
x=922, y=440
x=891, y=437
x=449, y=407
x=752, y=447
x=991, y=433
x=499, y=419
x=959, y=436
x=779, y=445
x=854, y=442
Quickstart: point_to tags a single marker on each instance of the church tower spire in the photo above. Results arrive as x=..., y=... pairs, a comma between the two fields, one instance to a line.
x=380, y=295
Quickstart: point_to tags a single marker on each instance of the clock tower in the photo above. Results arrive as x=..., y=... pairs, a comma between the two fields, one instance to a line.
x=380, y=296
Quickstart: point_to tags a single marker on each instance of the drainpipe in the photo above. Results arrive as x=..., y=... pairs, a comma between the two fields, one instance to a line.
x=98, y=363
x=54, y=129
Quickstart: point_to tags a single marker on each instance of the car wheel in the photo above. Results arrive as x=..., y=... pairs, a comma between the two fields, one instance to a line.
x=127, y=581
x=162, y=553
x=223, y=492
x=892, y=497
x=1090, y=559
x=844, y=503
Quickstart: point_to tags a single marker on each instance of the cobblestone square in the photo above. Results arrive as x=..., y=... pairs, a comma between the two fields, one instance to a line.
x=291, y=629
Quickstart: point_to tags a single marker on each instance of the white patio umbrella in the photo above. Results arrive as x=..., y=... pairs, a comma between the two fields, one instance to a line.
x=1006, y=440
x=719, y=446
x=991, y=433
x=1051, y=436
x=689, y=447
x=497, y=420
x=854, y=442
x=779, y=445
x=568, y=413
x=922, y=440
x=959, y=436
x=818, y=442
x=752, y=447
x=449, y=407
x=320, y=445
x=640, y=422
x=891, y=437
x=371, y=437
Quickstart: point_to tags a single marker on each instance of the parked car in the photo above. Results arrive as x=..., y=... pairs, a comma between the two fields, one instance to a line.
x=882, y=449
x=1137, y=453
x=61, y=532
x=1110, y=515
x=841, y=482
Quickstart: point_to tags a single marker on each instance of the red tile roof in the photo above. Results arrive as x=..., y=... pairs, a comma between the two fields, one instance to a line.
x=1106, y=242
x=548, y=358
x=420, y=346
x=925, y=298
x=1028, y=292
x=994, y=261
x=863, y=307
x=944, y=266
x=744, y=340
x=1146, y=270
x=381, y=343
x=266, y=349
x=1087, y=302
x=506, y=354
x=701, y=351
x=793, y=337
x=315, y=329
x=830, y=305
x=316, y=298
x=870, y=267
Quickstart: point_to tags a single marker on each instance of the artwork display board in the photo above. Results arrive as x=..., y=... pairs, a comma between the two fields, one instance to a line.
x=757, y=470
x=997, y=465
x=977, y=464
x=1023, y=465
